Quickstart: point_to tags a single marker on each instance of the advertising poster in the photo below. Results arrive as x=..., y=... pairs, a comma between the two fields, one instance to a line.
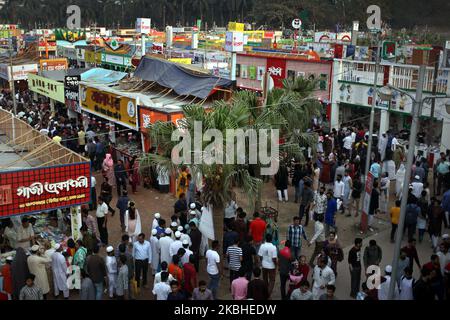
x=244, y=71
x=261, y=71
x=252, y=72
x=42, y=189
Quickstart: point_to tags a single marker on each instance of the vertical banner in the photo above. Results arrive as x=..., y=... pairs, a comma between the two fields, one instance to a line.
x=366, y=204
x=277, y=69
x=75, y=222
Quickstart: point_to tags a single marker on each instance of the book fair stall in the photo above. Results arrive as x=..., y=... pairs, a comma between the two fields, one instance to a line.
x=41, y=188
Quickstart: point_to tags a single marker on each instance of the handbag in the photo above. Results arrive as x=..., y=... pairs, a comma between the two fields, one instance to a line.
x=134, y=287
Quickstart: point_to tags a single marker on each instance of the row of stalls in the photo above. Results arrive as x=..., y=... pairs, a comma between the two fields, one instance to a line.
x=124, y=106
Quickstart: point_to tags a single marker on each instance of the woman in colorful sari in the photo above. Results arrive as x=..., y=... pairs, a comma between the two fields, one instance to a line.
x=108, y=169
x=182, y=182
x=134, y=174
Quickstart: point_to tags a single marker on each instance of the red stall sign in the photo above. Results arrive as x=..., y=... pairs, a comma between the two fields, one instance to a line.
x=42, y=189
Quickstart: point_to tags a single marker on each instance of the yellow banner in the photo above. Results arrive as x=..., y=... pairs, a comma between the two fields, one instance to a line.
x=181, y=60
x=235, y=26
x=110, y=106
x=90, y=57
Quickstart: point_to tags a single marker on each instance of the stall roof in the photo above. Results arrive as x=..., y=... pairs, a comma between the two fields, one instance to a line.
x=58, y=75
x=184, y=82
x=102, y=76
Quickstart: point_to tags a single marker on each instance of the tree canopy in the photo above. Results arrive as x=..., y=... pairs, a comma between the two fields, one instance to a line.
x=272, y=14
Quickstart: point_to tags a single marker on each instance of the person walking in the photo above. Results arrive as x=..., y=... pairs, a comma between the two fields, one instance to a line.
x=357, y=188
x=59, y=270
x=132, y=222
x=373, y=254
x=395, y=216
x=142, y=254
x=102, y=219
x=96, y=269
x=134, y=176
x=436, y=217
x=257, y=288
x=307, y=198
x=122, y=285
x=330, y=214
x=122, y=205
x=19, y=271
x=108, y=169
x=322, y=276
x=412, y=213
x=320, y=203
x=121, y=177
x=87, y=288
x=111, y=268
x=156, y=252
x=234, y=256
x=295, y=233
x=268, y=255
x=164, y=243
x=318, y=239
x=333, y=250
x=281, y=183
x=285, y=260
x=213, y=268
x=354, y=263
x=385, y=284
x=239, y=286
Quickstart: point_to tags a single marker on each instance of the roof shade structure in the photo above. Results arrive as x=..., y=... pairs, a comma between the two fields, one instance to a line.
x=182, y=81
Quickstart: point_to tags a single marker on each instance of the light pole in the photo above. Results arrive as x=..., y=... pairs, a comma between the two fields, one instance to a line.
x=12, y=86
x=416, y=112
x=371, y=123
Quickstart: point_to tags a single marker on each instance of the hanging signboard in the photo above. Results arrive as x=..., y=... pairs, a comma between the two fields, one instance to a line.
x=53, y=64
x=71, y=92
x=42, y=189
x=47, y=87
x=113, y=107
x=277, y=69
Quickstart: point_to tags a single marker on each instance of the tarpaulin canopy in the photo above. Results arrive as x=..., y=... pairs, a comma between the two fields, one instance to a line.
x=181, y=80
x=99, y=75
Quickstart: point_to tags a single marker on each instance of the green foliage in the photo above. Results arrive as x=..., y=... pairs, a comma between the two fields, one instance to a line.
x=321, y=13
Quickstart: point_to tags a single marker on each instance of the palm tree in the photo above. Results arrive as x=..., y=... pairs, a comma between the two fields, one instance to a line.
x=287, y=110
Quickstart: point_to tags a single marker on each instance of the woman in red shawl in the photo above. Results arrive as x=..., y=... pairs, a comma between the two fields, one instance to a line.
x=134, y=174
x=325, y=173
x=108, y=169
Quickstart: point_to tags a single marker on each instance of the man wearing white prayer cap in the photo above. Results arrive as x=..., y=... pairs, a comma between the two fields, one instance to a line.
x=37, y=266
x=111, y=268
x=156, y=251
x=59, y=270
x=383, y=292
x=155, y=222
x=176, y=245
x=164, y=244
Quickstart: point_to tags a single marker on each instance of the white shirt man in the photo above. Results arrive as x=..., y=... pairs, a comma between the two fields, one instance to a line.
x=319, y=232
x=176, y=245
x=161, y=290
x=164, y=245
x=348, y=142
x=187, y=254
x=338, y=189
x=111, y=268
x=323, y=275
x=59, y=269
x=383, y=292
x=268, y=252
x=102, y=210
x=417, y=187
x=212, y=258
x=155, y=222
x=406, y=288
x=156, y=251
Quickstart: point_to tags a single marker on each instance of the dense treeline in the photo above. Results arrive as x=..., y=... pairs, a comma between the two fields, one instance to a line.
x=321, y=13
